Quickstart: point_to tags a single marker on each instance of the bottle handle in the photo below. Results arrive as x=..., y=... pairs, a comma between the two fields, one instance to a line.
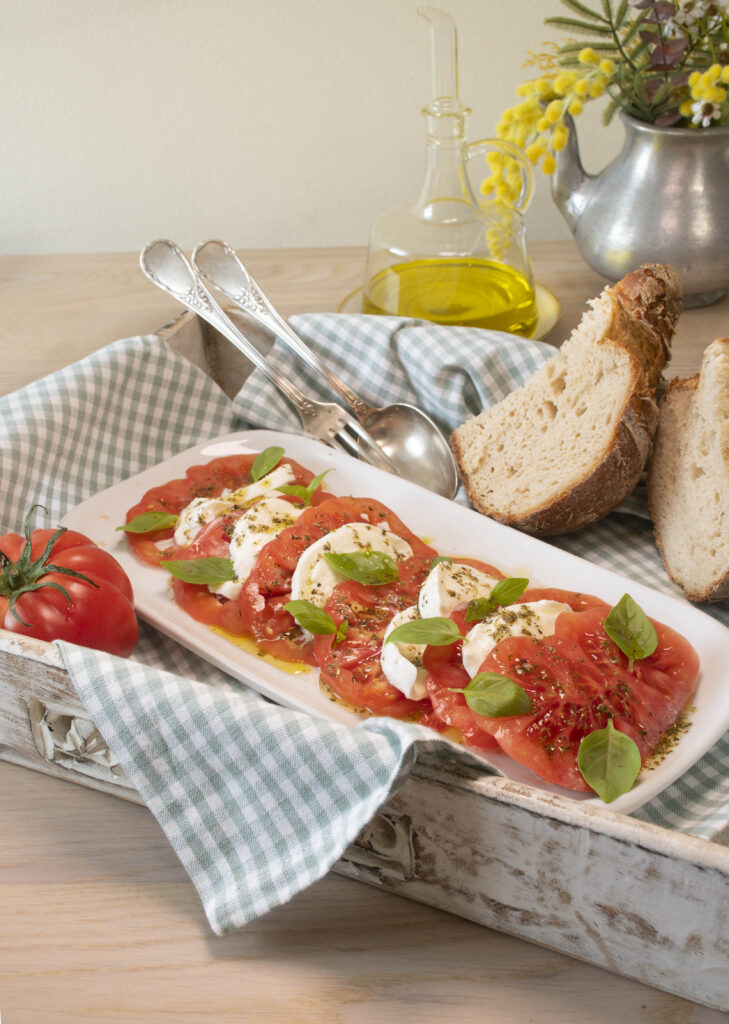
x=481, y=148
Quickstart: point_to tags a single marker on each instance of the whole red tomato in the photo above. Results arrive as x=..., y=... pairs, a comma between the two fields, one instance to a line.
x=58, y=585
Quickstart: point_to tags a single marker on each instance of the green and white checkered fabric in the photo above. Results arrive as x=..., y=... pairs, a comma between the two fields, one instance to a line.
x=260, y=801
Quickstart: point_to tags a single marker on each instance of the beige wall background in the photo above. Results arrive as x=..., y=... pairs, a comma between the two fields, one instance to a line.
x=266, y=122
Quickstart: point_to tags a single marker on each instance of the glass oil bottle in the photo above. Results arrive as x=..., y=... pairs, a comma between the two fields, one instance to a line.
x=451, y=257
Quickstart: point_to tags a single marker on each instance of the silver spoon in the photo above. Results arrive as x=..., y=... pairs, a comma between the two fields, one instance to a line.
x=408, y=435
x=165, y=265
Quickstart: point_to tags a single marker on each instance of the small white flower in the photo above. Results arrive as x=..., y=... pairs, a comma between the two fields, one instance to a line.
x=705, y=113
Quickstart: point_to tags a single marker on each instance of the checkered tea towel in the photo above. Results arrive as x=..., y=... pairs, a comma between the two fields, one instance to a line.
x=259, y=801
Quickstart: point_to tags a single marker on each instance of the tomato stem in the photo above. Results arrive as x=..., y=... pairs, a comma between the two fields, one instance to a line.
x=25, y=575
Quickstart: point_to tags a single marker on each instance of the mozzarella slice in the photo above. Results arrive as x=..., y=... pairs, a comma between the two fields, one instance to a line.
x=533, y=618
x=314, y=579
x=256, y=527
x=403, y=663
x=202, y=511
x=449, y=584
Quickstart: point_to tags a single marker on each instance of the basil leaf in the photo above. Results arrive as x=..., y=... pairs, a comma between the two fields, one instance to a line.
x=507, y=591
x=311, y=618
x=201, y=570
x=342, y=630
x=437, y=560
x=148, y=522
x=479, y=608
x=436, y=631
x=304, y=494
x=631, y=629
x=266, y=461
x=496, y=696
x=609, y=762
x=503, y=593
x=373, y=568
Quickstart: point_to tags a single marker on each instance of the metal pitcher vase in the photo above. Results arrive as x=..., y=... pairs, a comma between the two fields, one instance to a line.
x=664, y=199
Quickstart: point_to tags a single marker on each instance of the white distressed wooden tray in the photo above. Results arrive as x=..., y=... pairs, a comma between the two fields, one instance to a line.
x=641, y=901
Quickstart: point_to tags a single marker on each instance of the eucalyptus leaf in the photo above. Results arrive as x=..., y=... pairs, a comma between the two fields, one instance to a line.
x=266, y=461
x=609, y=762
x=436, y=631
x=148, y=522
x=372, y=568
x=575, y=25
x=496, y=696
x=631, y=629
x=580, y=8
x=312, y=618
x=210, y=571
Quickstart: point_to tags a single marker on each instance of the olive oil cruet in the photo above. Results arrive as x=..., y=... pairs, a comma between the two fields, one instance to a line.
x=452, y=257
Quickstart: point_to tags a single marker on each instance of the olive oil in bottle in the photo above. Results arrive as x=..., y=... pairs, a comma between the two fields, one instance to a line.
x=454, y=256
x=466, y=292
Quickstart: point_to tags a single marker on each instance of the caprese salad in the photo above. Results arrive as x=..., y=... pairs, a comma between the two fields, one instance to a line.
x=580, y=692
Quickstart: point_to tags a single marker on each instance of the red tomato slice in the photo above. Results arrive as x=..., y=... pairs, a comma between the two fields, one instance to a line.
x=351, y=669
x=577, y=601
x=205, y=481
x=579, y=678
x=268, y=587
x=447, y=674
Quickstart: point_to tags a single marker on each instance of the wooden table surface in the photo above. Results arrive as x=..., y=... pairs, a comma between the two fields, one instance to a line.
x=98, y=921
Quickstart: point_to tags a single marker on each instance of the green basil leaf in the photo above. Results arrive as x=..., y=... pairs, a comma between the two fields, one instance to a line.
x=479, y=608
x=342, y=630
x=296, y=491
x=148, y=522
x=507, y=591
x=201, y=570
x=266, y=461
x=304, y=494
x=437, y=560
x=502, y=593
x=631, y=629
x=436, y=631
x=311, y=618
x=496, y=696
x=373, y=568
x=609, y=762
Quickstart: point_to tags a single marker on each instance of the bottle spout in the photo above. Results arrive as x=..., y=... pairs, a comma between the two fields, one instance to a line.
x=444, y=43
x=571, y=184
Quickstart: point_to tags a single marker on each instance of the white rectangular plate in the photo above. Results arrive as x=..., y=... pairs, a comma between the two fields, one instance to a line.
x=452, y=529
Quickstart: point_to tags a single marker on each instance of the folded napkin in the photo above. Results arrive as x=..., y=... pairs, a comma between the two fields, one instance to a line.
x=259, y=801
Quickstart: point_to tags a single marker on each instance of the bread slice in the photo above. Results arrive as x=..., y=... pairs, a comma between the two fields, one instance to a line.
x=688, y=479
x=565, y=448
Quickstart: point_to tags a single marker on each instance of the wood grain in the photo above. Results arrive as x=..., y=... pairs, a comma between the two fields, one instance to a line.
x=98, y=921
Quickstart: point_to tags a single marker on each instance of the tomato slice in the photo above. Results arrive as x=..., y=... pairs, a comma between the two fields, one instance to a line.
x=268, y=587
x=204, y=481
x=577, y=679
x=351, y=669
x=577, y=601
x=446, y=673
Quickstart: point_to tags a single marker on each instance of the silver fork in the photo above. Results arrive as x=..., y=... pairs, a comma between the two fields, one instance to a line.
x=166, y=265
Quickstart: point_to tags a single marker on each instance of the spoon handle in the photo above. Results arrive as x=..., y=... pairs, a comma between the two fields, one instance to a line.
x=249, y=297
x=198, y=299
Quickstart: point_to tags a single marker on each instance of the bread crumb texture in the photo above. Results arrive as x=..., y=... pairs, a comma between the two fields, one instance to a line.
x=688, y=479
x=567, y=446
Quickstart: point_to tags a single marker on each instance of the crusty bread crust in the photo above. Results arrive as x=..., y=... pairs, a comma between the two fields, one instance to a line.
x=629, y=328
x=688, y=479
